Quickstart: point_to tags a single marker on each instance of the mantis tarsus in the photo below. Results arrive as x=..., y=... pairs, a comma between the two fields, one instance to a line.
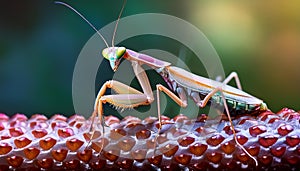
x=181, y=82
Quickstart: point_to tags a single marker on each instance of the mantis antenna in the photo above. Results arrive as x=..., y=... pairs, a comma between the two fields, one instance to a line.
x=117, y=22
x=67, y=5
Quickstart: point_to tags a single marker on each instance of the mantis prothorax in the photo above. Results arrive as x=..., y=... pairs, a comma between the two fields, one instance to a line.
x=181, y=82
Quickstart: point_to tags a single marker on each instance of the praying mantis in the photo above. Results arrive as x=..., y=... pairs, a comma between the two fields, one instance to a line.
x=181, y=85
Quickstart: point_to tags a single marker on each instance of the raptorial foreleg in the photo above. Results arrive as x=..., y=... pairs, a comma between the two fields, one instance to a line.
x=127, y=97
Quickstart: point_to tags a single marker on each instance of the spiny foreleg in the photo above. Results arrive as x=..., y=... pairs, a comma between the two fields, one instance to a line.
x=126, y=97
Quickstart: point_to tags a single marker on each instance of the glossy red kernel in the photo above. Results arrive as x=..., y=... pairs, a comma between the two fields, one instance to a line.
x=3, y=117
x=4, y=137
x=39, y=125
x=215, y=140
x=72, y=164
x=109, y=120
x=19, y=117
x=285, y=129
x=162, y=138
x=246, y=119
x=169, y=150
x=199, y=129
x=58, y=117
x=155, y=160
x=298, y=150
x=99, y=144
x=39, y=133
x=256, y=130
x=15, y=132
x=143, y=134
x=85, y=155
x=58, y=124
x=292, y=140
x=293, y=160
x=1, y=126
x=98, y=165
x=126, y=144
x=139, y=155
x=293, y=116
x=132, y=119
x=273, y=120
x=65, y=132
x=241, y=139
x=47, y=143
x=88, y=136
x=265, y=159
x=14, y=161
x=267, y=141
x=243, y=157
x=185, y=141
x=285, y=111
x=202, y=118
x=116, y=134
x=74, y=144
x=183, y=159
x=78, y=125
x=180, y=118
x=228, y=130
x=22, y=142
x=198, y=149
x=31, y=153
x=253, y=150
x=278, y=151
x=38, y=117
x=201, y=166
x=111, y=155
x=5, y=148
x=125, y=163
x=151, y=143
x=45, y=163
x=60, y=154
x=228, y=147
x=214, y=157
x=265, y=115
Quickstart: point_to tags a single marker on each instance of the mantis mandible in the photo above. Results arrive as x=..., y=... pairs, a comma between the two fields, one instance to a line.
x=181, y=82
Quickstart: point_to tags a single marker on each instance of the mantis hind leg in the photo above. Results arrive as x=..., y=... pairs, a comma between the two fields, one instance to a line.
x=203, y=103
x=233, y=75
x=181, y=101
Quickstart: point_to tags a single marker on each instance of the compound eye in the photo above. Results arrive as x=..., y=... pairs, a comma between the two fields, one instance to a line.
x=120, y=52
x=105, y=53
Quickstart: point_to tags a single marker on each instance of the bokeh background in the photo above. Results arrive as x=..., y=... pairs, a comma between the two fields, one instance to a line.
x=40, y=42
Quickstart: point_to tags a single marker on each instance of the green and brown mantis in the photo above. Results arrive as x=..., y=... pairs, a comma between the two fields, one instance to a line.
x=182, y=84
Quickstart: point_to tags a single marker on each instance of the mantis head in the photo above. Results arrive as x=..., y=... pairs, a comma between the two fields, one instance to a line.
x=114, y=55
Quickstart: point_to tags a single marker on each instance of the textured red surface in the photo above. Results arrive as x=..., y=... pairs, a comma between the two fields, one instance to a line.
x=61, y=143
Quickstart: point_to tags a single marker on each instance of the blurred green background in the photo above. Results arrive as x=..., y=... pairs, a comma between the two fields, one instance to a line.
x=40, y=42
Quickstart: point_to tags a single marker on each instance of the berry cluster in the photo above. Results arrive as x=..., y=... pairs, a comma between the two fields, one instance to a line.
x=61, y=143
